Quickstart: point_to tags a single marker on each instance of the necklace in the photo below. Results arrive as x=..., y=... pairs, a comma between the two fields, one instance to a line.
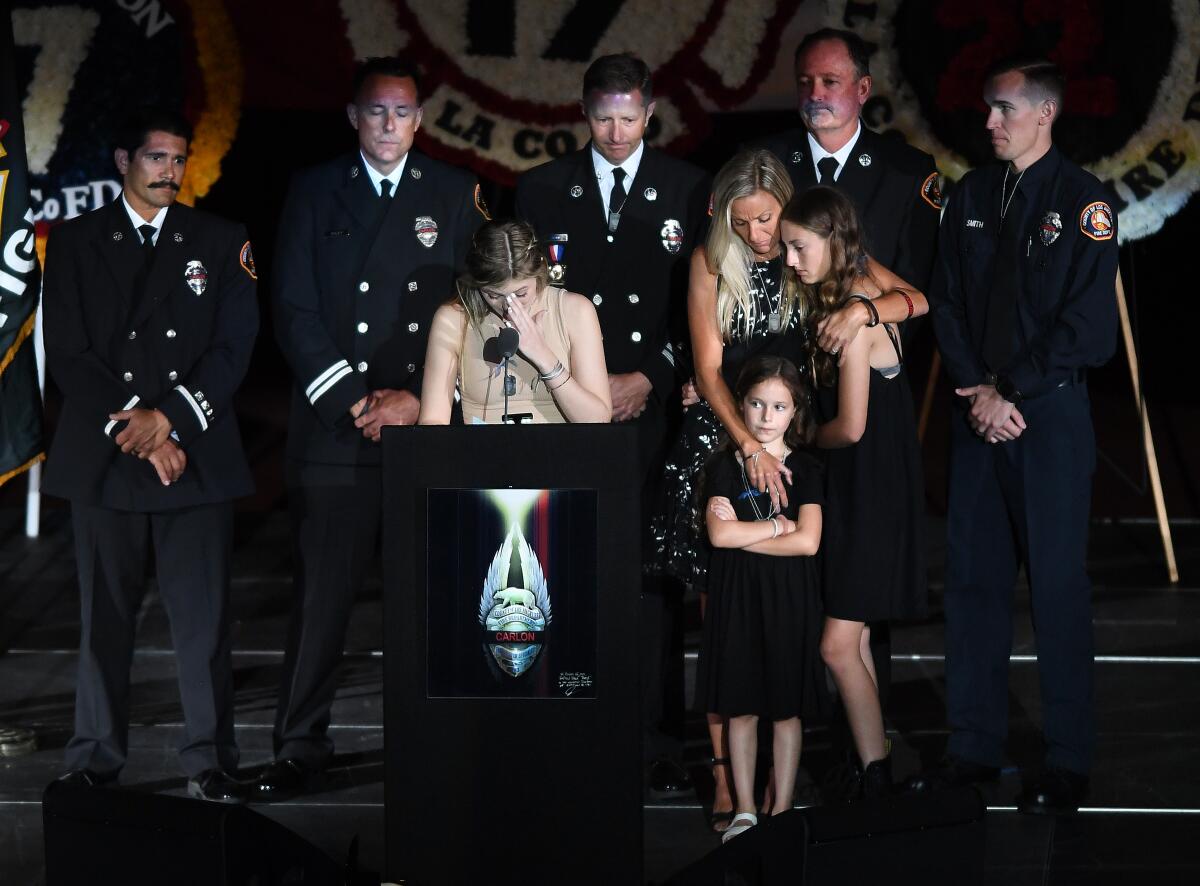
x=1003, y=203
x=774, y=318
x=753, y=494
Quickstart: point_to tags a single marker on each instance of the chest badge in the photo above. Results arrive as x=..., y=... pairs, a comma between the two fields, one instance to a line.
x=196, y=276
x=427, y=230
x=576, y=191
x=672, y=236
x=650, y=194
x=864, y=159
x=556, y=244
x=1050, y=227
x=415, y=173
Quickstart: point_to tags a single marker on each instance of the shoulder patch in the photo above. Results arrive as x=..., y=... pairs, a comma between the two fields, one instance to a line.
x=931, y=190
x=480, y=205
x=246, y=258
x=1096, y=221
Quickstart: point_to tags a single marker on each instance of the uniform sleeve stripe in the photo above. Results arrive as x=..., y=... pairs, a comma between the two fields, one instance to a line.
x=321, y=391
x=112, y=424
x=191, y=401
x=322, y=378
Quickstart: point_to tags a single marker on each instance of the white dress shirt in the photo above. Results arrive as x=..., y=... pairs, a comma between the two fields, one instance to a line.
x=604, y=173
x=377, y=177
x=841, y=155
x=138, y=221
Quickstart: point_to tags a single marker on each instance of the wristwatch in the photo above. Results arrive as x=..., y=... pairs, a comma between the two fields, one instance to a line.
x=1006, y=389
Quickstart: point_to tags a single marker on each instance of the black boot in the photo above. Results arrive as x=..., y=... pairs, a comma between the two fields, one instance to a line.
x=876, y=781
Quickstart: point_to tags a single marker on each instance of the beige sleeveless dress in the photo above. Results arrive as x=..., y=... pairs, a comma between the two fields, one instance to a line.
x=481, y=384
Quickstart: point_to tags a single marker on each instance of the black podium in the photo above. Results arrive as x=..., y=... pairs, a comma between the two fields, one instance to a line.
x=512, y=575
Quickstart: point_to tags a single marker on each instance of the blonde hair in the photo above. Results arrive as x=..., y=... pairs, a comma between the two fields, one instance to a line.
x=500, y=251
x=728, y=255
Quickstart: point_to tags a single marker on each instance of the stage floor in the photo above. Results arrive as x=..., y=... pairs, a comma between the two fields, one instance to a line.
x=1142, y=825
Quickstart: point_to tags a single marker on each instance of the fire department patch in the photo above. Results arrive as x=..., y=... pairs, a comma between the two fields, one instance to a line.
x=931, y=191
x=1096, y=221
x=246, y=257
x=480, y=205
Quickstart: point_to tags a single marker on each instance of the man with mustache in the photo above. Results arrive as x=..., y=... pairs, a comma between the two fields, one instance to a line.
x=893, y=186
x=368, y=247
x=619, y=220
x=150, y=318
x=1023, y=303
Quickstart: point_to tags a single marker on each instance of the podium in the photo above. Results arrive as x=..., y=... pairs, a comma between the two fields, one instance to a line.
x=511, y=681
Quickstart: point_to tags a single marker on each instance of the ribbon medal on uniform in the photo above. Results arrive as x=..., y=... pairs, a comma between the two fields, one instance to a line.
x=557, y=245
x=864, y=159
x=576, y=191
x=672, y=236
x=1050, y=227
x=1096, y=221
x=196, y=276
x=427, y=230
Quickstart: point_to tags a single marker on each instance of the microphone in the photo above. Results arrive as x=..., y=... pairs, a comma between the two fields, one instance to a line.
x=507, y=341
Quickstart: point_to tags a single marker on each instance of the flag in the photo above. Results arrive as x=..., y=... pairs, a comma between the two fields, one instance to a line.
x=20, y=400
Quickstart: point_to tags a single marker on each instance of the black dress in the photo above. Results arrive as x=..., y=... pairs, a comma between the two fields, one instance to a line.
x=678, y=546
x=873, y=540
x=762, y=630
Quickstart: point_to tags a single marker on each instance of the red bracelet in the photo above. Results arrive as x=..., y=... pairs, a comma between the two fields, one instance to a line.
x=910, y=304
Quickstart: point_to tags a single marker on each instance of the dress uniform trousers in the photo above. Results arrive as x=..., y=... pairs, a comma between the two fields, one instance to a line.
x=1021, y=502
x=191, y=552
x=336, y=512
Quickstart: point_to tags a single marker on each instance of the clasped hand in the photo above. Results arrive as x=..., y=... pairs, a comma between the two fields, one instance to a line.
x=385, y=407
x=147, y=430
x=993, y=418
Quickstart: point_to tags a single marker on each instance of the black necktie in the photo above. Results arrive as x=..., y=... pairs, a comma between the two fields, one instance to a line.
x=828, y=167
x=385, y=190
x=616, y=200
x=147, y=232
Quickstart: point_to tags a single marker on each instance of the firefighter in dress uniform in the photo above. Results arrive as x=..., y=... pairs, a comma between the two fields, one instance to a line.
x=368, y=248
x=150, y=320
x=620, y=220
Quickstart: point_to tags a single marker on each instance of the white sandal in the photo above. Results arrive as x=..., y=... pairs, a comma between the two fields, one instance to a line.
x=741, y=823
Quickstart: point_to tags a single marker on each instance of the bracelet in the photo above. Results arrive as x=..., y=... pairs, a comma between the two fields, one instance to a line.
x=908, y=301
x=753, y=456
x=871, y=309
x=560, y=384
x=775, y=524
x=554, y=373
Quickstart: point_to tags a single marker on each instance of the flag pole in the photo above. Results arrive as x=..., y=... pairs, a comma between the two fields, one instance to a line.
x=33, y=498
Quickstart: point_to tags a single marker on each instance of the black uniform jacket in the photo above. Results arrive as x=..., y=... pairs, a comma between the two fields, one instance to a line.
x=355, y=288
x=893, y=186
x=638, y=282
x=1066, y=303
x=182, y=347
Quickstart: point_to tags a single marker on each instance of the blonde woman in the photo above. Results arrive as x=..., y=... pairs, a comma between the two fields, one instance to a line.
x=558, y=372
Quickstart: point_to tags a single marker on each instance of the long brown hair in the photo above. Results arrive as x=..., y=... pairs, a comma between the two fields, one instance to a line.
x=500, y=251
x=766, y=367
x=830, y=215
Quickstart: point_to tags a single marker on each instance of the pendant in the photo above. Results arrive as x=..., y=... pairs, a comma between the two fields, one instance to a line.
x=510, y=386
x=773, y=321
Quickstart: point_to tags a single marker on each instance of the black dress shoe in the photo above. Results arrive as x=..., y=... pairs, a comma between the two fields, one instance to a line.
x=951, y=772
x=876, y=780
x=85, y=778
x=1054, y=792
x=217, y=786
x=668, y=777
x=281, y=780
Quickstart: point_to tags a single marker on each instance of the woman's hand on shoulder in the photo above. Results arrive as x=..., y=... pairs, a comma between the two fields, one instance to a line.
x=840, y=329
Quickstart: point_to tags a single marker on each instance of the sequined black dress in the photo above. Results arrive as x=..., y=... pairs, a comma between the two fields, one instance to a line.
x=678, y=546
